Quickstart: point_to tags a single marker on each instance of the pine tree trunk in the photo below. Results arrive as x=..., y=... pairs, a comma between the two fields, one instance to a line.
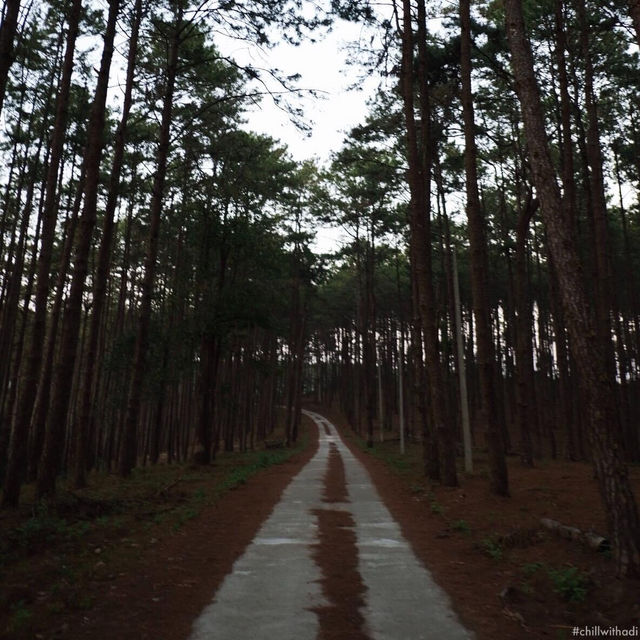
x=596, y=188
x=634, y=10
x=526, y=407
x=420, y=224
x=41, y=406
x=589, y=354
x=8, y=30
x=85, y=417
x=29, y=381
x=64, y=370
x=128, y=452
x=568, y=177
x=499, y=479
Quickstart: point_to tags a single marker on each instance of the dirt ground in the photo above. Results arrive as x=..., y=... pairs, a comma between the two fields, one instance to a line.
x=149, y=583
x=508, y=578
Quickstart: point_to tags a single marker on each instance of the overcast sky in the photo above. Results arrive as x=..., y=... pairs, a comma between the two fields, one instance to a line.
x=323, y=67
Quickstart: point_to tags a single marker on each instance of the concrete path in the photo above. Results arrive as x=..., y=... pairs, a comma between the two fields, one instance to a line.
x=275, y=586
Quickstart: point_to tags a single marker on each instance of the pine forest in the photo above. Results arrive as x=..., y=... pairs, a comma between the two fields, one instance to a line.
x=168, y=314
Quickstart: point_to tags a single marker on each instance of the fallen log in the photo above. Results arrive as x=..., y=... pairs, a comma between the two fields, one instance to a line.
x=590, y=538
x=164, y=491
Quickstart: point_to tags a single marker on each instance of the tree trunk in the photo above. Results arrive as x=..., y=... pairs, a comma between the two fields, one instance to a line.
x=526, y=406
x=63, y=375
x=85, y=417
x=128, y=444
x=420, y=223
x=590, y=358
x=41, y=406
x=8, y=30
x=634, y=10
x=499, y=479
x=28, y=383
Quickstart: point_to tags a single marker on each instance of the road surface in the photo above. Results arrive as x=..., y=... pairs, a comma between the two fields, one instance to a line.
x=279, y=590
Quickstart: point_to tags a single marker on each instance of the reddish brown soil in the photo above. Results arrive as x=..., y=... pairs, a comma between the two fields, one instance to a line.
x=335, y=484
x=491, y=555
x=336, y=554
x=161, y=588
x=477, y=546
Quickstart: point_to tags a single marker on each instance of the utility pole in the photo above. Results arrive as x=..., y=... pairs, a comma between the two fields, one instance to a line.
x=462, y=374
x=401, y=391
x=380, y=404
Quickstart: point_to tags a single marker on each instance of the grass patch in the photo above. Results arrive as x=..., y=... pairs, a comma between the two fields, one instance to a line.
x=436, y=507
x=462, y=526
x=492, y=546
x=569, y=583
x=53, y=552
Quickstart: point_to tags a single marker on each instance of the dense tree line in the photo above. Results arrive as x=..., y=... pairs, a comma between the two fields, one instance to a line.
x=159, y=295
x=547, y=243
x=150, y=246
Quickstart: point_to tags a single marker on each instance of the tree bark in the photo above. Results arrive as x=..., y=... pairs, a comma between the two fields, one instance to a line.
x=634, y=10
x=85, y=417
x=64, y=369
x=128, y=451
x=8, y=30
x=499, y=479
x=29, y=381
x=597, y=387
x=525, y=389
x=420, y=224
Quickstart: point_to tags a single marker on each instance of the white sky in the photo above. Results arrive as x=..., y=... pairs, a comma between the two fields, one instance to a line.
x=323, y=67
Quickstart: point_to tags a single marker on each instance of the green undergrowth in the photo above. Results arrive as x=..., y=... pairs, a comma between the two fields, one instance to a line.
x=49, y=552
x=568, y=582
x=158, y=494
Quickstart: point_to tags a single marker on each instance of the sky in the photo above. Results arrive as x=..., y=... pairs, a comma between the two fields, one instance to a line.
x=324, y=68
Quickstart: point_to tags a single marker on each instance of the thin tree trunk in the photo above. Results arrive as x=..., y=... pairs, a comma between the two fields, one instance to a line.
x=499, y=479
x=28, y=384
x=8, y=30
x=63, y=375
x=128, y=444
x=85, y=421
x=526, y=406
x=634, y=10
x=41, y=406
x=419, y=181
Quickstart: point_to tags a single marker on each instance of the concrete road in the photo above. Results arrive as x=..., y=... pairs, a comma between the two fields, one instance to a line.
x=275, y=586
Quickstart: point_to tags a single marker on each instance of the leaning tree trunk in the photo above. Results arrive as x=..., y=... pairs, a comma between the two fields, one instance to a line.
x=588, y=352
x=499, y=478
x=29, y=380
x=7, y=36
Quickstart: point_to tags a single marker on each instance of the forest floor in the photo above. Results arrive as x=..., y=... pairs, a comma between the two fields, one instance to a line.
x=140, y=559
x=508, y=577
